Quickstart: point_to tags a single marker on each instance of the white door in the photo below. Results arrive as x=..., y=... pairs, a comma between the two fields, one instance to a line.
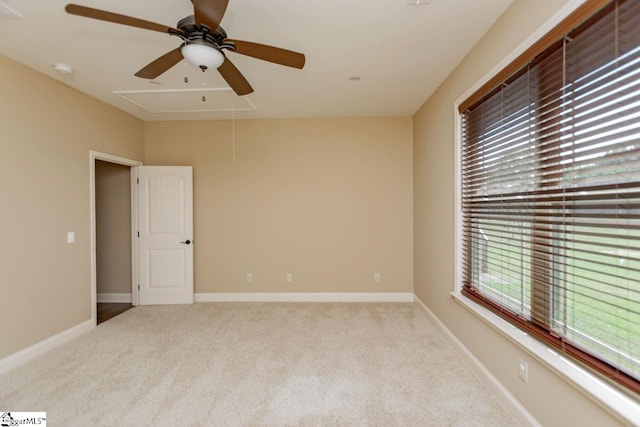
x=165, y=224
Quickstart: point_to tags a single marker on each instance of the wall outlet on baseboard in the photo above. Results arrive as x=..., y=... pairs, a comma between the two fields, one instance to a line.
x=289, y=277
x=249, y=278
x=523, y=370
x=376, y=277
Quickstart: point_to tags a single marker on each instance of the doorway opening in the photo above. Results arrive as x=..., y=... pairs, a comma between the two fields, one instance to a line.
x=113, y=215
x=113, y=239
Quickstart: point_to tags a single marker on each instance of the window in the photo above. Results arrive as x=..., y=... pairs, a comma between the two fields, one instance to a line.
x=551, y=190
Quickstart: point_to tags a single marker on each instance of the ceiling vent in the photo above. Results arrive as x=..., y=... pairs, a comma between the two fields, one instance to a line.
x=8, y=12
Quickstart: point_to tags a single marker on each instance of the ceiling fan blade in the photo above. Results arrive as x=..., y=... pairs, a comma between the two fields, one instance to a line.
x=103, y=15
x=234, y=78
x=269, y=53
x=161, y=64
x=209, y=12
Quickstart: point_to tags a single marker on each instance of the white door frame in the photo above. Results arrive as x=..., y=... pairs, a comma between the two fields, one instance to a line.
x=93, y=156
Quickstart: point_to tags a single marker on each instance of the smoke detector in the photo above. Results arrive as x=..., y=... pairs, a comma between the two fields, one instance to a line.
x=63, y=69
x=8, y=12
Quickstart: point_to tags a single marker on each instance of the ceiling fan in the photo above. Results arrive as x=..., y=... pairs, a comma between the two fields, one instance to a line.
x=203, y=42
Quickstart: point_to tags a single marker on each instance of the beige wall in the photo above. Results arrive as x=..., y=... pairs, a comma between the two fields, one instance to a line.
x=113, y=228
x=328, y=200
x=550, y=399
x=46, y=132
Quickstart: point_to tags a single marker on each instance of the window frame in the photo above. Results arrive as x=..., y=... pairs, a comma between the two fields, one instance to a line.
x=612, y=396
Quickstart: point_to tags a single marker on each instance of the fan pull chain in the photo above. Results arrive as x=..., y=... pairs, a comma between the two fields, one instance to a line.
x=186, y=67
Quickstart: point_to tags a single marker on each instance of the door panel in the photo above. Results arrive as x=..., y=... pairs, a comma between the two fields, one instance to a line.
x=165, y=195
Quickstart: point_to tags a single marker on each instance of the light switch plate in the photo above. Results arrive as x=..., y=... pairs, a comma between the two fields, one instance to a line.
x=71, y=237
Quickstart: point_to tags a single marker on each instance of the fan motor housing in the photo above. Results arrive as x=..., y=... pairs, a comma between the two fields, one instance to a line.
x=194, y=32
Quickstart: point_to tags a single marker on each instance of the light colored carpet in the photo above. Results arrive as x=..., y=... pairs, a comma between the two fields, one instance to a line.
x=262, y=364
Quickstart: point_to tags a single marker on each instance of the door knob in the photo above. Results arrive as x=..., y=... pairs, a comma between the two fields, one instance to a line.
x=186, y=242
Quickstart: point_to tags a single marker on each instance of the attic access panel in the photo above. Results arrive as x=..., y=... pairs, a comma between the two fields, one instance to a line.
x=187, y=100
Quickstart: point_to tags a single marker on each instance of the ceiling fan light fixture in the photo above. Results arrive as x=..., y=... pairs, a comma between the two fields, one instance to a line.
x=202, y=56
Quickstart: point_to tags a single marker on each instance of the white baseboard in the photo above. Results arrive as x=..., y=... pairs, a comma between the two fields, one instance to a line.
x=506, y=398
x=16, y=359
x=114, y=298
x=306, y=297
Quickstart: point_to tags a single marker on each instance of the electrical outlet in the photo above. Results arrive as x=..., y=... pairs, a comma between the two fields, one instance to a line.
x=523, y=370
x=376, y=277
x=249, y=278
x=289, y=277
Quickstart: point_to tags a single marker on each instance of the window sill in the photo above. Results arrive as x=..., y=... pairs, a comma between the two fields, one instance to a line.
x=607, y=396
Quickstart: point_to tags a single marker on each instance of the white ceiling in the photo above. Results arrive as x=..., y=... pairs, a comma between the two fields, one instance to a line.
x=401, y=53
